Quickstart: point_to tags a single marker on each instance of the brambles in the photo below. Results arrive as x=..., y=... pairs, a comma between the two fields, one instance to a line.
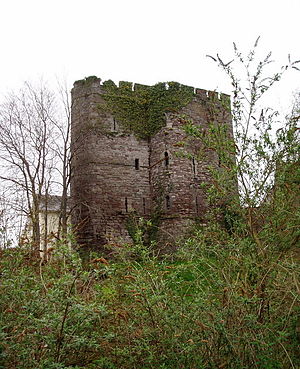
x=208, y=306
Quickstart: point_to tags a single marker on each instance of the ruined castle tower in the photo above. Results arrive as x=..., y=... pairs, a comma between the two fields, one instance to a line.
x=115, y=174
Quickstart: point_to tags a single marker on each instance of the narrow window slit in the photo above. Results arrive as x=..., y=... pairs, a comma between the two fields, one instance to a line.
x=166, y=159
x=137, y=164
x=194, y=165
x=144, y=205
x=126, y=204
x=168, y=203
x=114, y=124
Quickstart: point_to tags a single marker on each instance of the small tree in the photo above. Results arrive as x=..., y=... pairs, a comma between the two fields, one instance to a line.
x=34, y=146
x=62, y=150
x=263, y=218
x=259, y=147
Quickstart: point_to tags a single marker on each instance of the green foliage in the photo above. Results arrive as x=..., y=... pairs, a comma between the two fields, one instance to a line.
x=141, y=232
x=228, y=298
x=86, y=81
x=282, y=209
x=142, y=110
x=213, y=304
x=43, y=315
x=144, y=231
x=255, y=186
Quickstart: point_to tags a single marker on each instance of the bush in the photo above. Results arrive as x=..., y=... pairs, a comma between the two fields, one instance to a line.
x=209, y=306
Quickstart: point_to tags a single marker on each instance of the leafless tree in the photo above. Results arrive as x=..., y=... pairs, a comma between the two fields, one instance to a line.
x=63, y=152
x=31, y=142
x=6, y=222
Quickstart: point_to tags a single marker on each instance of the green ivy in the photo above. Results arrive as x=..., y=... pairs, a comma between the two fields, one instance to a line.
x=142, y=110
x=87, y=81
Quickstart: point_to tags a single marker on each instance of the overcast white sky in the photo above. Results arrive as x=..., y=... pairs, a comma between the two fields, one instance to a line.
x=144, y=41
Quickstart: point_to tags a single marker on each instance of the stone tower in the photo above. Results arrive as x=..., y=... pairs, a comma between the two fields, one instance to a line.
x=116, y=175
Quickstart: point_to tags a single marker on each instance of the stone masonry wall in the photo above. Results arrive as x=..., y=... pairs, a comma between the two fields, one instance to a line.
x=115, y=174
x=177, y=177
x=110, y=171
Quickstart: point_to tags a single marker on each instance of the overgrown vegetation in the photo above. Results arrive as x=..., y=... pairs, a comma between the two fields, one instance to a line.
x=215, y=304
x=142, y=110
x=87, y=81
x=228, y=298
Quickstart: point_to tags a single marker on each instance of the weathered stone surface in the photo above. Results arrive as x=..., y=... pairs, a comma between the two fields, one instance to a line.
x=114, y=173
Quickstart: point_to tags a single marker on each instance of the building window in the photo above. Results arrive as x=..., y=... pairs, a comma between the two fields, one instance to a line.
x=126, y=204
x=114, y=124
x=194, y=166
x=144, y=205
x=168, y=202
x=137, y=164
x=166, y=159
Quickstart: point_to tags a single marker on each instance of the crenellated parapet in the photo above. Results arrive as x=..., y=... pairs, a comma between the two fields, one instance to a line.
x=93, y=84
x=117, y=174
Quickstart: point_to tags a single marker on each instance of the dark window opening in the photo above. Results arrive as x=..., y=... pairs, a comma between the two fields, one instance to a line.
x=197, y=205
x=194, y=165
x=126, y=204
x=144, y=205
x=166, y=159
x=168, y=203
x=114, y=124
x=137, y=164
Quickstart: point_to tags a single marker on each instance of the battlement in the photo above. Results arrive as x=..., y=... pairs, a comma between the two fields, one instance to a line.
x=119, y=174
x=93, y=82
